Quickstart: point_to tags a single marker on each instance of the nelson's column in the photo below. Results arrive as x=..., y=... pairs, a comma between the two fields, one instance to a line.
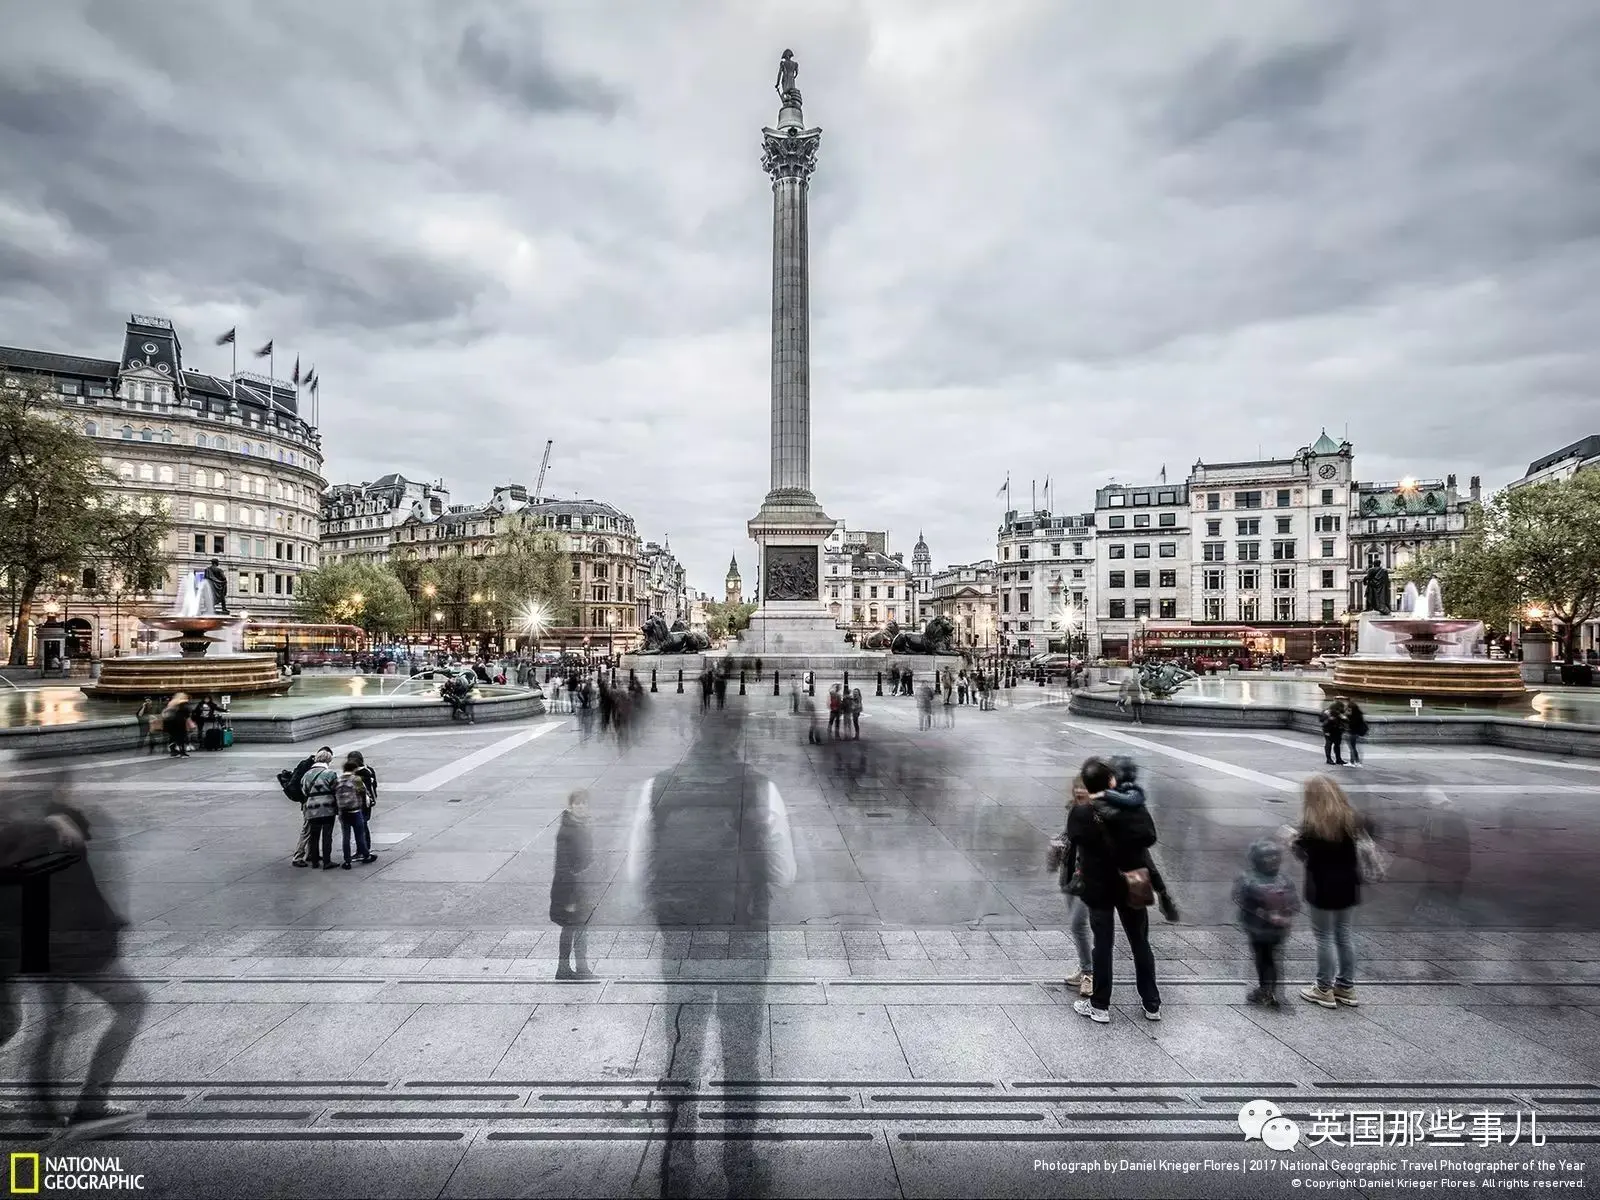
x=791, y=526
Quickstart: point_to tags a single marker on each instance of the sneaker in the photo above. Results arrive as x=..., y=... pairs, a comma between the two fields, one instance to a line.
x=369, y=858
x=345, y=865
x=566, y=973
x=1346, y=996
x=1152, y=1014
x=1255, y=996
x=1074, y=979
x=1086, y=986
x=1322, y=997
x=1084, y=1009
x=585, y=974
x=93, y=1124
x=297, y=862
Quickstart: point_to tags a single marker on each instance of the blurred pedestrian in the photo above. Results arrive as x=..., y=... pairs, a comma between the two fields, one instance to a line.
x=925, y=707
x=320, y=785
x=722, y=690
x=835, y=709
x=1327, y=842
x=1333, y=727
x=1064, y=858
x=176, y=724
x=1266, y=901
x=1355, y=728
x=855, y=712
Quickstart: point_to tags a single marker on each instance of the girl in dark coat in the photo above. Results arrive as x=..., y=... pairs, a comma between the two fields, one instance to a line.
x=574, y=852
x=1326, y=842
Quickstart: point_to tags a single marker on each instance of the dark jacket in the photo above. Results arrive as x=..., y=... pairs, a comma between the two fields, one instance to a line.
x=1333, y=722
x=1265, y=896
x=574, y=852
x=1333, y=877
x=1355, y=721
x=1107, y=841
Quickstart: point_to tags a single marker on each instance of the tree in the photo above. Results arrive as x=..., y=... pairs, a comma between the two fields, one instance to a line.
x=60, y=513
x=354, y=593
x=1535, y=546
x=526, y=565
x=724, y=619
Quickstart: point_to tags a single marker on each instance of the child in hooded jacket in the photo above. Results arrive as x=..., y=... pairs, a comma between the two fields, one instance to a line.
x=1129, y=793
x=1267, y=902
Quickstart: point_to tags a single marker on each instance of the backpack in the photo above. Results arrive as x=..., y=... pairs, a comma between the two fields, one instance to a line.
x=1372, y=863
x=289, y=779
x=1277, y=909
x=349, y=792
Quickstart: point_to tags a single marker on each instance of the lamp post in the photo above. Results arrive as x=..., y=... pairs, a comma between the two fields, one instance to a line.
x=534, y=620
x=428, y=593
x=611, y=625
x=116, y=619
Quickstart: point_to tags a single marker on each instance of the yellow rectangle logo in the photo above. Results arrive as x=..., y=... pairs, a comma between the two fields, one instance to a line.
x=16, y=1186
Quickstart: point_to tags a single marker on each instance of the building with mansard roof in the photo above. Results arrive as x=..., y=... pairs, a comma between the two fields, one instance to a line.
x=232, y=459
x=358, y=519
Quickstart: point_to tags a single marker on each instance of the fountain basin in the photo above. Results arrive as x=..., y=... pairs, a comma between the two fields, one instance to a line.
x=199, y=675
x=1421, y=637
x=1457, y=680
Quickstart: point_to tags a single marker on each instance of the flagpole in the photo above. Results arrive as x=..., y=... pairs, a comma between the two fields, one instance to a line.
x=233, y=380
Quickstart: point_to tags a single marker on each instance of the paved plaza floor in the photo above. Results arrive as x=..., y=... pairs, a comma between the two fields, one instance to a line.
x=890, y=1021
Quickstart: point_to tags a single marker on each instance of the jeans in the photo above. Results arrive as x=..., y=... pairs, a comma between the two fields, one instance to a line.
x=1355, y=752
x=355, y=822
x=573, y=946
x=1136, y=924
x=1331, y=748
x=319, y=845
x=1331, y=927
x=1266, y=956
x=1078, y=926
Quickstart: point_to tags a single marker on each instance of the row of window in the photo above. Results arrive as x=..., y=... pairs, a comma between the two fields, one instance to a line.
x=1117, y=610
x=1164, y=520
x=1023, y=551
x=1142, y=550
x=1141, y=579
x=1253, y=499
x=202, y=440
x=1120, y=499
x=1248, y=608
x=1282, y=551
x=1213, y=579
x=251, y=547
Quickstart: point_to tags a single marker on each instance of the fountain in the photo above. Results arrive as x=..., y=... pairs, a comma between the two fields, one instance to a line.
x=195, y=618
x=1419, y=653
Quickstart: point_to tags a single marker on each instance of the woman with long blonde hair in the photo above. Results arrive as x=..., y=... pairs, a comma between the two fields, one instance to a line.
x=1326, y=842
x=1064, y=854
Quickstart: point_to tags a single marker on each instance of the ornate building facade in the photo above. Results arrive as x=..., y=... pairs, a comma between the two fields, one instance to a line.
x=230, y=458
x=358, y=520
x=1394, y=523
x=864, y=586
x=1046, y=580
x=1141, y=566
x=732, y=585
x=965, y=594
x=661, y=585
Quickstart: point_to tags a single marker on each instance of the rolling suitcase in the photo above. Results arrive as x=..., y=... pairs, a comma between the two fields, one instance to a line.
x=212, y=739
x=227, y=738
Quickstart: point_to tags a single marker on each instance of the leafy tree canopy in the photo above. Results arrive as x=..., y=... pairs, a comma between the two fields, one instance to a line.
x=354, y=593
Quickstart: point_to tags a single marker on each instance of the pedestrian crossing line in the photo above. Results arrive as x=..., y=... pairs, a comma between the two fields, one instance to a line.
x=1276, y=783
x=471, y=762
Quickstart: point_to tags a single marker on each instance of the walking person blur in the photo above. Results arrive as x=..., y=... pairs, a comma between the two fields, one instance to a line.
x=1064, y=858
x=1327, y=843
x=925, y=707
x=1266, y=900
x=835, y=709
x=175, y=724
x=1333, y=733
x=149, y=718
x=855, y=713
x=568, y=908
x=721, y=685
x=1130, y=697
x=1355, y=728
x=705, y=690
x=1112, y=845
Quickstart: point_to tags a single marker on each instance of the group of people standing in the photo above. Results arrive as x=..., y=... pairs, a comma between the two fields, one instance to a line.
x=1343, y=721
x=1109, y=877
x=326, y=795
x=182, y=724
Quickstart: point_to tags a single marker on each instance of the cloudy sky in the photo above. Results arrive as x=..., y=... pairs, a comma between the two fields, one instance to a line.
x=1080, y=241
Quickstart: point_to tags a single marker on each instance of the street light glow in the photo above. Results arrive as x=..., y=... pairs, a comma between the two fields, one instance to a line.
x=534, y=618
x=429, y=590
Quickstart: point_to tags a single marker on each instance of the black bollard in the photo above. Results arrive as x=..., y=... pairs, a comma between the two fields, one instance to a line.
x=880, y=683
x=741, y=681
x=633, y=679
x=776, y=690
x=811, y=683
x=680, y=681
x=847, y=683
x=652, y=679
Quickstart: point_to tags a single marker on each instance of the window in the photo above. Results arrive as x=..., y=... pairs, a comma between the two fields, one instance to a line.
x=1282, y=550
x=1283, y=578
x=1326, y=524
x=1283, y=608
x=1117, y=501
x=1022, y=602
x=1117, y=610
x=1077, y=549
x=127, y=433
x=1213, y=608
x=219, y=544
x=1167, y=498
x=1327, y=611
x=1141, y=579
x=1117, y=579
x=1283, y=497
x=1327, y=579
x=1005, y=552
x=577, y=570
x=1141, y=610
x=1250, y=528
x=1327, y=547
x=90, y=428
x=1284, y=525
x=1055, y=549
x=202, y=511
x=1141, y=549
x=1022, y=550
x=855, y=591
x=147, y=435
x=1214, y=502
x=1249, y=552
x=1327, y=496
x=1005, y=602
x=1249, y=608
x=1167, y=550
x=1168, y=609
x=1077, y=572
x=1141, y=497
x=1141, y=520
x=164, y=474
x=889, y=592
x=1372, y=527
x=1212, y=552
x=1213, y=528
x=1117, y=551
x=261, y=549
x=199, y=543
x=1250, y=579
x=1167, y=520
x=1247, y=499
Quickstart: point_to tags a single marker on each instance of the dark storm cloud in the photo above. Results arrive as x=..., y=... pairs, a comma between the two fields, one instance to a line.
x=1061, y=240
x=519, y=72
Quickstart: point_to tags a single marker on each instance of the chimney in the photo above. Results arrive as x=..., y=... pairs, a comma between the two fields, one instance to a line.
x=1450, y=480
x=1477, y=489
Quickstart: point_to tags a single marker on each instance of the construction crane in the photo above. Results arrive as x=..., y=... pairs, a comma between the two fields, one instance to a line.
x=538, y=488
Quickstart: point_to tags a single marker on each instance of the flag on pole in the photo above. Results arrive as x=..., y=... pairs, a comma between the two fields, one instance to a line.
x=1047, y=492
x=1163, y=472
x=265, y=351
x=1004, y=487
x=297, y=370
x=311, y=378
x=227, y=339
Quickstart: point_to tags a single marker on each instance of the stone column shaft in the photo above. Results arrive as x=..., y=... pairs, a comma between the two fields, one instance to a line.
x=791, y=337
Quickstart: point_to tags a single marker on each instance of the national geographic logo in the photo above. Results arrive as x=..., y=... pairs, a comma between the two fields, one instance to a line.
x=32, y=1175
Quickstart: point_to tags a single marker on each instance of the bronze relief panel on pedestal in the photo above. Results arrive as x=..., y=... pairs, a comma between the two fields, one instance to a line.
x=790, y=573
